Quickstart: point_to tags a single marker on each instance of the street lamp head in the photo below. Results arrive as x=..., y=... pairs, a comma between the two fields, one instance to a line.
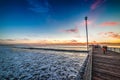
x=86, y=17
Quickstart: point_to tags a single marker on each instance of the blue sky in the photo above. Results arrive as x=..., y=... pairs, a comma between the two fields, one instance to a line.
x=59, y=19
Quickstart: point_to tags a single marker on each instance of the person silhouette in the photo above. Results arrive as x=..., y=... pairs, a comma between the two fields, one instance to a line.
x=104, y=48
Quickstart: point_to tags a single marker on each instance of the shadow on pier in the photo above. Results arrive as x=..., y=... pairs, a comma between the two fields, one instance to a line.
x=105, y=66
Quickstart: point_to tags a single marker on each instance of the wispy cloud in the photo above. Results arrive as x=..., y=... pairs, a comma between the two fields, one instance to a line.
x=110, y=24
x=96, y=4
x=7, y=40
x=91, y=23
x=40, y=6
x=110, y=34
x=74, y=30
x=12, y=40
x=74, y=41
x=32, y=35
x=25, y=39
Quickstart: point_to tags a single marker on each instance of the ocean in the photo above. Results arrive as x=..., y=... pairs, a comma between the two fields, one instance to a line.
x=41, y=62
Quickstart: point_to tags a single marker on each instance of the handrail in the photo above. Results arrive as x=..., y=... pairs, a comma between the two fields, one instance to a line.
x=85, y=72
x=88, y=70
x=114, y=49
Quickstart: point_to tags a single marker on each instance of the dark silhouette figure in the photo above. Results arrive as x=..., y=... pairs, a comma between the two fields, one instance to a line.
x=104, y=48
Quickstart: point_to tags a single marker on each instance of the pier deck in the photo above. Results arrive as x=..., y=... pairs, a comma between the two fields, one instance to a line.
x=105, y=66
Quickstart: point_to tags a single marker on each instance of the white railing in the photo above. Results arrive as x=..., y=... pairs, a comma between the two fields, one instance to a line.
x=114, y=49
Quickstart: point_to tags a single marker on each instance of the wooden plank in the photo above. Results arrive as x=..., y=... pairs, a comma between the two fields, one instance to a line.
x=106, y=66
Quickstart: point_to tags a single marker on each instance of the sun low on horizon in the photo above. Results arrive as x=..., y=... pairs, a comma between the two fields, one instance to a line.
x=59, y=21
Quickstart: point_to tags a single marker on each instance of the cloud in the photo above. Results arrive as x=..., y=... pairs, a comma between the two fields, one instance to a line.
x=13, y=40
x=41, y=6
x=82, y=23
x=79, y=36
x=96, y=4
x=26, y=39
x=110, y=34
x=1, y=40
x=33, y=35
x=73, y=41
x=110, y=24
x=114, y=35
x=10, y=40
x=74, y=30
x=7, y=40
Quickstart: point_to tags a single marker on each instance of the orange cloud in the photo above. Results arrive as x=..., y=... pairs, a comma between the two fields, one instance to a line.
x=110, y=23
x=96, y=4
x=14, y=41
x=114, y=35
x=73, y=41
x=110, y=34
x=74, y=30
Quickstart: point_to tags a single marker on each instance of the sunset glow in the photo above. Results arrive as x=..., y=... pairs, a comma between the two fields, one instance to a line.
x=59, y=21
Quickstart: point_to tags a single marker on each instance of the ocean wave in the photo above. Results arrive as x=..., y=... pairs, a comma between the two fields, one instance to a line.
x=52, y=49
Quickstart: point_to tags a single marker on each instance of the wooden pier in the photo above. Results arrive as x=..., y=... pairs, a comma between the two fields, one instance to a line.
x=105, y=66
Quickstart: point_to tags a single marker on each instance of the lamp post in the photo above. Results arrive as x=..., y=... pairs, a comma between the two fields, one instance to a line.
x=86, y=31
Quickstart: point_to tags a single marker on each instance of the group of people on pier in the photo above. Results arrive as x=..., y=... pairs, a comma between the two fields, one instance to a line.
x=104, y=48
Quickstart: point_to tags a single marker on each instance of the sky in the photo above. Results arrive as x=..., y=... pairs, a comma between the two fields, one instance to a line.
x=59, y=21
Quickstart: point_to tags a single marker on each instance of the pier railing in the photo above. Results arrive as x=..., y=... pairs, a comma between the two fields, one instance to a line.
x=88, y=69
x=114, y=49
x=85, y=72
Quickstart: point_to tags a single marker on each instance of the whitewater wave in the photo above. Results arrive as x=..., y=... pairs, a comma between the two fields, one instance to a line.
x=52, y=49
x=35, y=64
